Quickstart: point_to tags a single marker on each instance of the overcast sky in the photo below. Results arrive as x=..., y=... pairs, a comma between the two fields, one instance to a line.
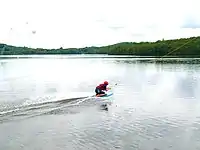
x=80, y=23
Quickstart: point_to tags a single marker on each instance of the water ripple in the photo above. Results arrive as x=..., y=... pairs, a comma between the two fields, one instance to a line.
x=154, y=106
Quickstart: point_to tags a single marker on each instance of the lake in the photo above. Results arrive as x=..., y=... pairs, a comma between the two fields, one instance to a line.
x=46, y=103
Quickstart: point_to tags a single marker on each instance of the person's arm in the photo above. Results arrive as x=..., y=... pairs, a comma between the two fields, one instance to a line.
x=105, y=88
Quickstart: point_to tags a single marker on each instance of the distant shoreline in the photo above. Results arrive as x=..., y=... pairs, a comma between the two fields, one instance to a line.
x=90, y=56
x=186, y=48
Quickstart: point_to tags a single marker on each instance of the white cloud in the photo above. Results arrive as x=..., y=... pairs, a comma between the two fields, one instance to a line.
x=78, y=23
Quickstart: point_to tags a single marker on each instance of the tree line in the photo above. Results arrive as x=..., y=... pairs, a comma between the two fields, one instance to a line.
x=186, y=47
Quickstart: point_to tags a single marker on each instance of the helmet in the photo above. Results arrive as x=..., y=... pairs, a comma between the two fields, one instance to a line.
x=106, y=82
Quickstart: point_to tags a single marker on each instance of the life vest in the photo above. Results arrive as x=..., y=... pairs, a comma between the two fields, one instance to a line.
x=101, y=86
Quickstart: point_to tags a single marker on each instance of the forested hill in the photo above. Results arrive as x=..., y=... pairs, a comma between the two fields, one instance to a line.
x=184, y=47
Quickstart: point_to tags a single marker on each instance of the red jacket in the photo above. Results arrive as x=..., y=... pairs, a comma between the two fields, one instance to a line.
x=101, y=86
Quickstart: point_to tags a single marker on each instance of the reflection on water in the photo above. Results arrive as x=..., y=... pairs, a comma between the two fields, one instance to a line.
x=155, y=105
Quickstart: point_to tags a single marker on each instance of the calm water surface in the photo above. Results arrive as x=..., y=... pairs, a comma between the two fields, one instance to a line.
x=155, y=106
